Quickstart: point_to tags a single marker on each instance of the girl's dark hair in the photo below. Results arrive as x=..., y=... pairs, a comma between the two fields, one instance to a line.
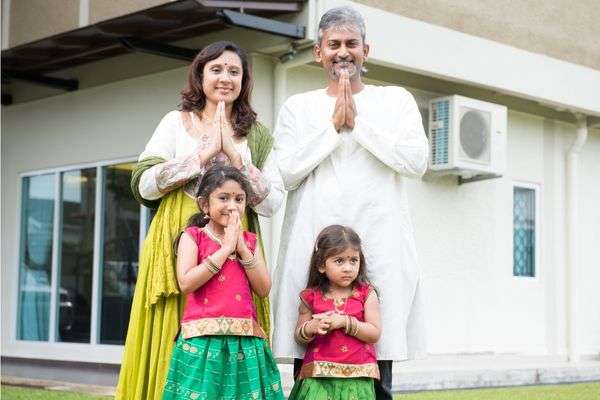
x=213, y=179
x=333, y=240
x=194, y=99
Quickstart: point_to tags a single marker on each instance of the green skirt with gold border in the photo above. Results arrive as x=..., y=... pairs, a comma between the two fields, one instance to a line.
x=333, y=389
x=222, y=368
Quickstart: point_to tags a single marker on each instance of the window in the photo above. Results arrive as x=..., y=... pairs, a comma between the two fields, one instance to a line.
x=79, y=245
x=35, y=256
x=120, y=248
x=524, y=231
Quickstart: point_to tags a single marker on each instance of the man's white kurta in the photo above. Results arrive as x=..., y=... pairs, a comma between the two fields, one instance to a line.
x=354, y=178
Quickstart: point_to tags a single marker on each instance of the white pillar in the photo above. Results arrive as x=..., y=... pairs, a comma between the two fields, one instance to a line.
x=572, y=264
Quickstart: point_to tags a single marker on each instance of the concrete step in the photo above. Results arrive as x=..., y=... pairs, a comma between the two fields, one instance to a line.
x=477, y=371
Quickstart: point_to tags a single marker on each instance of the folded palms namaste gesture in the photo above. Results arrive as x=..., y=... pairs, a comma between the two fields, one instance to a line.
x=345, y=109
x=222, y=137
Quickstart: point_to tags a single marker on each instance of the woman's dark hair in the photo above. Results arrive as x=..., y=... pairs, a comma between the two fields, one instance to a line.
x=213, y=179
x=194, y=99
x=333, y=240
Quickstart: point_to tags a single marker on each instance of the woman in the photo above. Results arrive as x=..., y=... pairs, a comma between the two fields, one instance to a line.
x=216, y=124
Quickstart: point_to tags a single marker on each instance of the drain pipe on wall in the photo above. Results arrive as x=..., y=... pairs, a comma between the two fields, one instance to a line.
x=572, y=267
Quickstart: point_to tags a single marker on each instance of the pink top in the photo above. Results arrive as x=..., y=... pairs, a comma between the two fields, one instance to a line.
x=337, y=354
x=223, y=305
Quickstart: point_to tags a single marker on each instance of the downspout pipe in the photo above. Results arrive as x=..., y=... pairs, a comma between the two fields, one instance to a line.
x=572, y=265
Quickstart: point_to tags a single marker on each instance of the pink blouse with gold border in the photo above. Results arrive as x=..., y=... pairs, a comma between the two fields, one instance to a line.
x=338, y=355
x=223, y=305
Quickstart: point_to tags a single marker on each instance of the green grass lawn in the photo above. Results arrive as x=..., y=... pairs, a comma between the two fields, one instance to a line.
x=577, y=391
x=19, y=393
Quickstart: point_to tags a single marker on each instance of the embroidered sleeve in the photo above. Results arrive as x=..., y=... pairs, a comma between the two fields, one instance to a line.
x=269, y=186
x=259, y=183
x=178, y=171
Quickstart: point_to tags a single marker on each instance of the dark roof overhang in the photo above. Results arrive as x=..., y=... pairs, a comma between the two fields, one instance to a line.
x=149, y=31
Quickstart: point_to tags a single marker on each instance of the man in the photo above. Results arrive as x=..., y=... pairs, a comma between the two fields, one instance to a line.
x=344, y=153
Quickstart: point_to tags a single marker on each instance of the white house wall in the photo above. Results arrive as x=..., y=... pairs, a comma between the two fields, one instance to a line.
x=589, y=224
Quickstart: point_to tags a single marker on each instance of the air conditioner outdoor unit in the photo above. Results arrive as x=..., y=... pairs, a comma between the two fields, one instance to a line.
x=467, y=137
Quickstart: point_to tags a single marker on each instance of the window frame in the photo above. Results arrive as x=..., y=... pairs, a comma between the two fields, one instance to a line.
x=537, y=189
x=53, y=349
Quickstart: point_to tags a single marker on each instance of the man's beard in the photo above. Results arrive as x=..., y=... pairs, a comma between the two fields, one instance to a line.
x=351, y=68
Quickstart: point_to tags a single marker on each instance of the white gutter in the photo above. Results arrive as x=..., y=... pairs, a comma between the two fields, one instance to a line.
x=572, y=264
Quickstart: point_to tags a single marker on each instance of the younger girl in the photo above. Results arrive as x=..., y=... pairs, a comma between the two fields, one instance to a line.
x=221, y=352
x=338, y=321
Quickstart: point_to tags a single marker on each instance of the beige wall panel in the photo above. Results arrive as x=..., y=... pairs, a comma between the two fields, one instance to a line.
x=558, y=28
x=31, y=20
x=101, y=10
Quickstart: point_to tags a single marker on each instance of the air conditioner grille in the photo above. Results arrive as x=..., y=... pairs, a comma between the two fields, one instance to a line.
x=439, y=133
x=474, y=135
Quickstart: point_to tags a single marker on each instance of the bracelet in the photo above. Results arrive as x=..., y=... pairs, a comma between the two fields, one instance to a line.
x=299, y=336
x=301, y=333
x=354, y=330
x=348, y=322
x=212, y=266
x=351, y=326
x=249, y=264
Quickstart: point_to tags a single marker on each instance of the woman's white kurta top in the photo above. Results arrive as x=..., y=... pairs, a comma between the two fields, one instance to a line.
x=171, y=140
x=354, y=178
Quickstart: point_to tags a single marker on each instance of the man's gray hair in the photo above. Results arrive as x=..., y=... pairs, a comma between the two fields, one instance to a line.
x=341, y=17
